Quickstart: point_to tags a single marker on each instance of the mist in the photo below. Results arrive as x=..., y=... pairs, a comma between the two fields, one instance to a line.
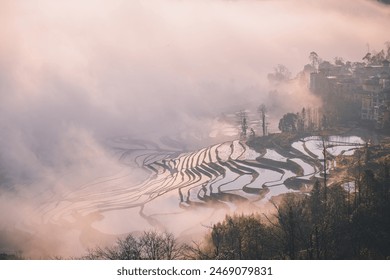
x=75, y=75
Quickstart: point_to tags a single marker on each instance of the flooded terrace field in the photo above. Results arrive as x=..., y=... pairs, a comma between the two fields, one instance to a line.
x=185, y=192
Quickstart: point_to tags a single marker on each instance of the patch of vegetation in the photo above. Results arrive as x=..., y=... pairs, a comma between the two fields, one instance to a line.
x=278, y=140
x=4, y=256
x=330, y=223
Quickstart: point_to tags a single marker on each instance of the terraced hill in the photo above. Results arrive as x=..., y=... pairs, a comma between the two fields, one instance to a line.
x=185, y=190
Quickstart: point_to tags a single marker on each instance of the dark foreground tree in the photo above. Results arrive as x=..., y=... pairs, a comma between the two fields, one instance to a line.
x=288, y=123
x=239, y=237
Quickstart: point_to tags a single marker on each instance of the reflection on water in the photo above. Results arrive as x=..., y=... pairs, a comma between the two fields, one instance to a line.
x=183, y=191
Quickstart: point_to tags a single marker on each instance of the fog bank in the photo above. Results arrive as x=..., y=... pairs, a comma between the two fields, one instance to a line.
x=75, y=74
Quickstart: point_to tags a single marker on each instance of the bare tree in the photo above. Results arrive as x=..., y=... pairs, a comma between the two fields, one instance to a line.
x=262, y=110
x=242, y=118
x=152, y=245
x=339, y=60
x=280, y=74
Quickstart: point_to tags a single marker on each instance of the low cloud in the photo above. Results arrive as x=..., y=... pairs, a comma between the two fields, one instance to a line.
x=73, y=75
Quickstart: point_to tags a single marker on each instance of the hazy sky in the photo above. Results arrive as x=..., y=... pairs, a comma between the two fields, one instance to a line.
x=73, y=73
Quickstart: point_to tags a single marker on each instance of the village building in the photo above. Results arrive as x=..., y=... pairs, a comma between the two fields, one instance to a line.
x=367, y=86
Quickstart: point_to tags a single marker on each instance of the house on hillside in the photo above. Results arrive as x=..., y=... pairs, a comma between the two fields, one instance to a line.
x=367, y=86
x=376, y=97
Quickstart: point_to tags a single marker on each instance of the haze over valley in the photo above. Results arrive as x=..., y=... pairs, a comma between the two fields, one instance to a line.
x=118, y=117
